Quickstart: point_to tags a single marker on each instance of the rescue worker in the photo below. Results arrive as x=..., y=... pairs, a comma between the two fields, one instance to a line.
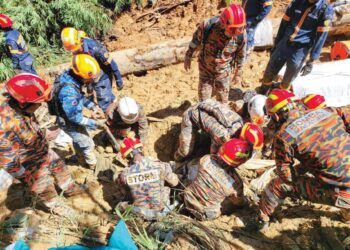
x=214, y=180
x=223, y=43
x=22, y=60
x=146, y=177
x=303, y=30
x=76, y=42
x=213, y=118
x=126, y=118
x=256, y=11
x=69, y=101
x=318, y=139
x=24, y=151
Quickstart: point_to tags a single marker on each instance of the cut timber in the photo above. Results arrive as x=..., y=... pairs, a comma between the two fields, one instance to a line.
x=166, y=53
x=141, y=59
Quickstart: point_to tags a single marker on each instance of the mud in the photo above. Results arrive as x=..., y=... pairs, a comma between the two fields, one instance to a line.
x=165, y=93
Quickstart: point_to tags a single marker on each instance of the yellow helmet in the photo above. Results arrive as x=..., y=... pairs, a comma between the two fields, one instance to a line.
x=85, y=66
x=81, y=34
x=70, y=39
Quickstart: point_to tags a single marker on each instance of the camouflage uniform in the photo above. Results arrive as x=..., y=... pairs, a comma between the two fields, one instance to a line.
x=145, y=180
x=320, y=142
x=217, y=56
x=211, y=184
x=212, y=117
x=120, y=129
x=25, y=154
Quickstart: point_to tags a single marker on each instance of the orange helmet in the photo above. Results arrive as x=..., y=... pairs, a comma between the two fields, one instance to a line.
x=235, y=152
x=29, y=88
x=5, y=21
x=85, y=66
x=128, y=145
x=314, y=101
x=71, y=39
x=252, y=133
x=233, y=16
x=278, y=99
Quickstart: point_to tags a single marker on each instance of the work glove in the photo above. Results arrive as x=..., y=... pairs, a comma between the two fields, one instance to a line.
x=306, y=69
x=120, y=86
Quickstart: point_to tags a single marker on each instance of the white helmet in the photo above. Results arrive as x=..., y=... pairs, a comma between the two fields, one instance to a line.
x=256, y=109
x=128, y=110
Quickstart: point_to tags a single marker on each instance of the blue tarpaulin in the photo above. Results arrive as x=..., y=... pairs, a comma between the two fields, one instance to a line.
x=120, y=240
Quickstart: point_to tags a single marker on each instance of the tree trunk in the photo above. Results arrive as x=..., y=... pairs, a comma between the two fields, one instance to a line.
x=166, y=53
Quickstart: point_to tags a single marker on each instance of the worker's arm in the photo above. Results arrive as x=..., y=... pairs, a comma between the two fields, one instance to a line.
x=267, y=7
x=171, y=178
x=73, y=106
x=143, y=124
x=285, y=21
x=322, y=33
x=284, y=159
x=104, y=56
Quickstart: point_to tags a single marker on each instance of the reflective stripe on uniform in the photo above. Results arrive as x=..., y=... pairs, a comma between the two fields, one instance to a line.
x=300, y=23
x=323, y=29
x=18, y=173
x=267, y=3
x=286, y=18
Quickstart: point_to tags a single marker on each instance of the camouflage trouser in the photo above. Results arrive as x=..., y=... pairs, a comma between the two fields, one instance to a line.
x=39, y=179
x=304, y=187
x=187, y=139
x=218, y=86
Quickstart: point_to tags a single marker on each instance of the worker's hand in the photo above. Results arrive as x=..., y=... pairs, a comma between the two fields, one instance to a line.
x=101, y=124
x=237, y=81
x=98, y=113
x=306, y=69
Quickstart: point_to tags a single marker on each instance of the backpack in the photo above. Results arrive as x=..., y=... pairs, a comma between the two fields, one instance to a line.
x=54, y=105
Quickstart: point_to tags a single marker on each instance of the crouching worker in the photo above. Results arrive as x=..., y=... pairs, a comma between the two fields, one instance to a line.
x=126, y=118
x=214, y=180
x=145, y=177
x=68, y=103
x=24, y=151
x=319, y=140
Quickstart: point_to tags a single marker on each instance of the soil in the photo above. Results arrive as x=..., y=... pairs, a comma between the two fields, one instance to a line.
x=165, y=93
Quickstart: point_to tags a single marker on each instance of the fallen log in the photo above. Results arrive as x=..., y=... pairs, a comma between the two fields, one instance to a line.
x=171, y=52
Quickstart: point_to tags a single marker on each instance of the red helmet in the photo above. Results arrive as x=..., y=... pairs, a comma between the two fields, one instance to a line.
x=252, y=133
x=233, y=16
x=5, y=21
x=277, y=99
x=235, y=152
x=29, y=88
x=128, y=145
x=314, y=101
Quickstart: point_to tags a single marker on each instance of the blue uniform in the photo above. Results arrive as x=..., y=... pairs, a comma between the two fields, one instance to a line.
x=21, y=58
x=71, y=102
x=256, y=11
x=304, y=29
x=109, y=67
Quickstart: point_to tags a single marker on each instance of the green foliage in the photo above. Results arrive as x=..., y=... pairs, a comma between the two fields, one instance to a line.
x=120, y=5
x=40, y=22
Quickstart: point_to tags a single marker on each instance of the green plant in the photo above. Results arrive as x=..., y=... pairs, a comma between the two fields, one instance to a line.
x=120, y=5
